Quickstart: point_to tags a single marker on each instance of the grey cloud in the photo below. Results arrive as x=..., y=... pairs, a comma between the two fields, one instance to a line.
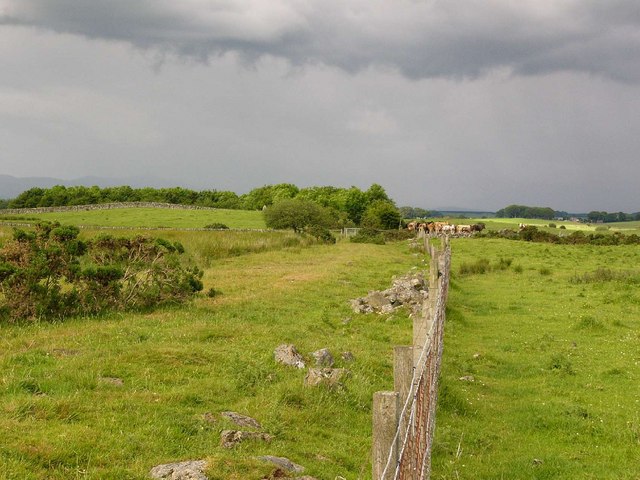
x=421, y=39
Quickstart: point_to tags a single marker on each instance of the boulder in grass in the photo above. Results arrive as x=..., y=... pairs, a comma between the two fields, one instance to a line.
x=283, y=463
x=323, y=357
x=189, y=470
x=231, y=438
x=242, y=420
x=288, y=355
x=348, y=357
x=332, y=377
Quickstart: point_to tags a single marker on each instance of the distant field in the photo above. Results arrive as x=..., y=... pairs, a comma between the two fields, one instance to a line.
x=151, y=218
x=513, y=223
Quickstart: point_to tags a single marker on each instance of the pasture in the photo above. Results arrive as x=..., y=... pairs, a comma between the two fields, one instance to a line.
x=540, y=368
x=546, y=337
x=64, y=416
x=149, y=218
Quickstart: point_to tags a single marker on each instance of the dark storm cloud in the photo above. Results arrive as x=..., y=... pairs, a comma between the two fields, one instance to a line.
x=421, y=39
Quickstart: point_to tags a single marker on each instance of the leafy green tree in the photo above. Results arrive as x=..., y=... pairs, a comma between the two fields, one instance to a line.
x=383, y=215
x=376, y=193
x=296, y=214
x=356, y=204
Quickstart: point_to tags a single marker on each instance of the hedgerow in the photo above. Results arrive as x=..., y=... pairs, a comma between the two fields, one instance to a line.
x=532, y=234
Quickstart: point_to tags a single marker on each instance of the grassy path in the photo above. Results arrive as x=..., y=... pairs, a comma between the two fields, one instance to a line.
x=64, y=416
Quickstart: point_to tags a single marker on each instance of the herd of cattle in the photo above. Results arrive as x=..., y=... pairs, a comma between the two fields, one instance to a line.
x=444, y=228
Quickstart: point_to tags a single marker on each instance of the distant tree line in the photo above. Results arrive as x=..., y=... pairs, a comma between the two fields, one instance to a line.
x=606, y=217
x=546, y=213
x=523, y=211
x=415, y=212
x=346, y=206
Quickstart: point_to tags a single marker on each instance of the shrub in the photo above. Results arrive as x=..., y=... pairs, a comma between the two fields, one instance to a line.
x=216, y=226
x=368, y=235
x=562, y=227
x=297, y=214
x=382, y=215
x=602, y=228
x=322, y=234
x=552, y=225
x=50, y=273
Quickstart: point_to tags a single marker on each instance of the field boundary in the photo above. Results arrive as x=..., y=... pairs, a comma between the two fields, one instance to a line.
x=404, y=419
x=104, y=206
x=173, y=229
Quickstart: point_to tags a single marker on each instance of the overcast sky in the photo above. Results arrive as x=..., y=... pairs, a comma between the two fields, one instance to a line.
x=467, y=103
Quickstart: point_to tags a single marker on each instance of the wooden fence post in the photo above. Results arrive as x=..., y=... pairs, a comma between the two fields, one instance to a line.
x=385, y=425
x=402, y=383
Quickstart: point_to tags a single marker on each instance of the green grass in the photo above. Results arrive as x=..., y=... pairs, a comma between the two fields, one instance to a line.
x=152, y=218
x=550, y=334
x=555, y=363
x=206, y=247
x=60, y=419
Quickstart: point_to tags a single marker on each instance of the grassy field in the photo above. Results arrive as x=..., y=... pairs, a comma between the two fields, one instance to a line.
x=549, y=333
x=552, y=345
x=513, y=223
x=151, y=218
x=64, y=417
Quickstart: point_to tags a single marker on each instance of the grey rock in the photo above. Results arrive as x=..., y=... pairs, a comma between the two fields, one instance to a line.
x=387, y=309
x=409, y=290
x=231, y=438
x=283, y=463
x=376, y=300
x=242, y=420
x=323, y=357
x=331, y=377
x=288, y=355
x=467, y=378
x=348, y=357
x=189, y=470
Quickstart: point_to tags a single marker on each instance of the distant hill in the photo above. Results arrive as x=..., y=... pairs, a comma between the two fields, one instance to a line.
x=11, y=187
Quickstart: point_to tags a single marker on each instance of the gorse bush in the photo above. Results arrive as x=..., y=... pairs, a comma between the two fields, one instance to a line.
x=50, y=273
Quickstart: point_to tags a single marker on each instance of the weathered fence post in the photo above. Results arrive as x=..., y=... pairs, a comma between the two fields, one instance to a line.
x=385, y=424
x=402, y=383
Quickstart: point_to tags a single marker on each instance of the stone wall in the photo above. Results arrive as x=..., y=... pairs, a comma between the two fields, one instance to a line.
x=102, y=206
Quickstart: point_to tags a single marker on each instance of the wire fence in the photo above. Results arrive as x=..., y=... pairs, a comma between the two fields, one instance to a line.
x=409, y=447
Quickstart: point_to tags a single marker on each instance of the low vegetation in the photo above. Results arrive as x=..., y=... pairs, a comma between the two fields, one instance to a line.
x=50, y=273
x=538, y=379
x=540, y=361
x=114, y=396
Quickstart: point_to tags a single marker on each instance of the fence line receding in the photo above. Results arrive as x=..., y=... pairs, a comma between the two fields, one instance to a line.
x=404, y=419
